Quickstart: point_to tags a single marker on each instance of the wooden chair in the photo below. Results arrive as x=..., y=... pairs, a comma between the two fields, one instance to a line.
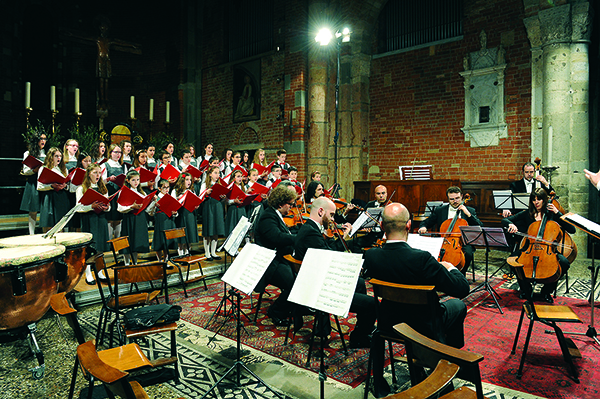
x=433, y=385
x=422, y=351
x=103, y=369
x=116, y=245
x=403, y=295
x=186, y=261
x=296, y=264
x=549, y=315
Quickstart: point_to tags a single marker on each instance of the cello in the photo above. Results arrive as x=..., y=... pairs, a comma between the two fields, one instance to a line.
x=452, y=247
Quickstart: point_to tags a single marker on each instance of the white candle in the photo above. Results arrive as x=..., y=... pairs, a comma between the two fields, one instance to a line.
x=27, y=94
x=52, y=98
x=76, y=100
x=132, y=107
x=151, y=117
x=168, y=119
x=550, y=132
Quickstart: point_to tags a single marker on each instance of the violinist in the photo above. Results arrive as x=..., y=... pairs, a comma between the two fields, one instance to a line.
x=380, y=197
x=310, y=235
x=445, y=212
x=538, y=206
x=527, y=183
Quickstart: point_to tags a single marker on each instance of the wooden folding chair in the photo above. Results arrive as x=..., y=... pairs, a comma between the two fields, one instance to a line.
x=403, y=295
x=423, y=351
x=296, y=264
x=103, y=369
x=116, y=245
x=186, y=261
x=433, y=385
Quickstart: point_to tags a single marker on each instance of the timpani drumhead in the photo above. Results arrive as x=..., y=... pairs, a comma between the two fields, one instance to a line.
x=75, y=254
x=27, y=283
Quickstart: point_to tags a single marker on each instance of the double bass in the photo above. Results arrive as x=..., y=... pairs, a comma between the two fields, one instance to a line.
x=452, y=247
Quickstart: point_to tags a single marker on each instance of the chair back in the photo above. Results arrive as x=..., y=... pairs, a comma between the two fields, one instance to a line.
x=144, y=272
x=173, y=234
x=113, y=379
x=295, y=263
x=427, y=352
x=118, y=244
x=98, y=264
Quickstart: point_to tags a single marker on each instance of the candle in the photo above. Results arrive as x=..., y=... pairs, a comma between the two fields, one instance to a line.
x=52, y=98
x=168, y=119
x=76, y=100
x=550, y=132
x=151, y=109
x=132, y=107
x=27, y=94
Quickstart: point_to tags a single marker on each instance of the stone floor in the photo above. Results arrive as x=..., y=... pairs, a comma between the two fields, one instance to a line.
x=202, y=364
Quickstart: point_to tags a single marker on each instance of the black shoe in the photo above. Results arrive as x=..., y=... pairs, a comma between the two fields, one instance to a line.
x=90, y=282
x=298, y=321
x=216, y=257
x=105, y=280
x=209, y=259
x=279, y=321
x=524, y=295
x=170, y=267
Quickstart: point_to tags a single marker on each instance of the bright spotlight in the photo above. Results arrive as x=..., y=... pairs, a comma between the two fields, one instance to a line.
x=324, y=37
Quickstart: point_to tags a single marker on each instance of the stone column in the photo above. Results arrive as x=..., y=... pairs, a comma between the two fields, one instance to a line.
x=562, y=34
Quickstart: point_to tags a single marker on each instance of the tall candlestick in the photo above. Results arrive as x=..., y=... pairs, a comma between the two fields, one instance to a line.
x=27, y=94
x=168, y=118
x=550, y=133
x=132, y=107
x=52, y=98
x=151, y=116
x=76, y=100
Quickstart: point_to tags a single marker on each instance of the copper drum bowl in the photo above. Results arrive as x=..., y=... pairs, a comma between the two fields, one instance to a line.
x=76, y=245
x=28, y=279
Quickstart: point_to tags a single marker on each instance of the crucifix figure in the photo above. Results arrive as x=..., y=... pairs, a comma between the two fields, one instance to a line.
x=103, y=65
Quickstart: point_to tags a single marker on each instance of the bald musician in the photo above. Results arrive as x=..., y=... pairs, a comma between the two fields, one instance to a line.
x=380, y=197
x=397, y=262
x=310, y=235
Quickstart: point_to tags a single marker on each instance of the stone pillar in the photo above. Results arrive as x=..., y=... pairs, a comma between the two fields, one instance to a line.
x=561, y=36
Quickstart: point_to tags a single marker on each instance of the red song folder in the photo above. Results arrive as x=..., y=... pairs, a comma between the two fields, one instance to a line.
x=218, y=190
x=76, y=176
x=48, y=176
x=119, y=180
x=203, y=166
x=246, y=199
x=128, y=197
x=275, y=183
x=170, y=172
x=192, y=170
x=241, y=168
x=32, y=162
x=261, y=169
x=259, y=189
x=167, y=204
x=190, y=201
x=146, y=175
x=91, y=196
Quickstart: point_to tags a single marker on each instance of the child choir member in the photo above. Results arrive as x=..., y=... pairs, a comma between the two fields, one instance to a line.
x=30, y=202
x=227, y=163
x=54, y=203
x=234, y=211
x=212, y=216
x=92, y=222
x=185, y=218
x=98, y=152
x=111, y=169
x=162, y=222
x=151, y=162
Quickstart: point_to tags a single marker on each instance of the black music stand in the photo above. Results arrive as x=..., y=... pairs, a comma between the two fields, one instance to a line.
x=593, y=230
x=485, y=237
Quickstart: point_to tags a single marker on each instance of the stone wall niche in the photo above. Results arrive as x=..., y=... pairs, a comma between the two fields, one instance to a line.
x=485, y=122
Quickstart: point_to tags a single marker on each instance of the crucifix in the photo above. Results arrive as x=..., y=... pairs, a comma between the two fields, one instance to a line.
x=103, y=64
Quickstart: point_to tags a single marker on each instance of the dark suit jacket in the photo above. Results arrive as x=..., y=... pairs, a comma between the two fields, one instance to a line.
x=309, y=236
x=519, y=187
x=371, y=204
x=271, y=232
x=398, y=263
x=440, y=214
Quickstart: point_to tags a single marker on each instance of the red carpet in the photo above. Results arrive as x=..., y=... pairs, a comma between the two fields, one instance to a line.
x=545, y=373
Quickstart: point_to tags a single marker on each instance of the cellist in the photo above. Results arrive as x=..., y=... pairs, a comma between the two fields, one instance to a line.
x=538, y=206
x=444, y=212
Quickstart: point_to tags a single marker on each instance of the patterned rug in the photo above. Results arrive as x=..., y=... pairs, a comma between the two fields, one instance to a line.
x=350, y=368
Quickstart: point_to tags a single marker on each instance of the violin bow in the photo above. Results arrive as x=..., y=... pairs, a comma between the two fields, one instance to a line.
x=390, y=199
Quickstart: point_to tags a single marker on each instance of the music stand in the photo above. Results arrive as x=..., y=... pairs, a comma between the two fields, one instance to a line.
x=485, y=237
x=593, y=230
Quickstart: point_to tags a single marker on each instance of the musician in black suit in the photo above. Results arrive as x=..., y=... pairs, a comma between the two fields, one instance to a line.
x=526, y=184
x=380, y=197
x=397, y=262
x=272, y=232
x=445, y=212
x=310, y=235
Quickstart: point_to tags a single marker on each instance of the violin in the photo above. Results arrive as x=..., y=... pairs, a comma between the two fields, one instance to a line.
x=452, y=247
x=539, y=254
x=341, y=203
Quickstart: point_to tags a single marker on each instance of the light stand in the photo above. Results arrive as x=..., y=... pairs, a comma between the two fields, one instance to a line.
x=239, y=364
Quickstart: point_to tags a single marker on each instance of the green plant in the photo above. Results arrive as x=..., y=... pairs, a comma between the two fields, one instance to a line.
x=33, y=132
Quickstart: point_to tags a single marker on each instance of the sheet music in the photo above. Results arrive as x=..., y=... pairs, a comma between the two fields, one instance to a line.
x=233, y=242
x=502, y=199
x=364, y=221
x=585, y=223
x=433, y=245
x=521, y=201
x=248, y=267
x=63, y=222
x=327, y=281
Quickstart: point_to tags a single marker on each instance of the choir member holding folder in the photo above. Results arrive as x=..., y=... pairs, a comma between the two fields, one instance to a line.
x=113, y=168
x=164, y=218
x=131, y=203
x=76, y=177
x=186, y=218
x=30, y=202
x=93, y=214
x=235, y=204
x=212, y=214
x=52, y=180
